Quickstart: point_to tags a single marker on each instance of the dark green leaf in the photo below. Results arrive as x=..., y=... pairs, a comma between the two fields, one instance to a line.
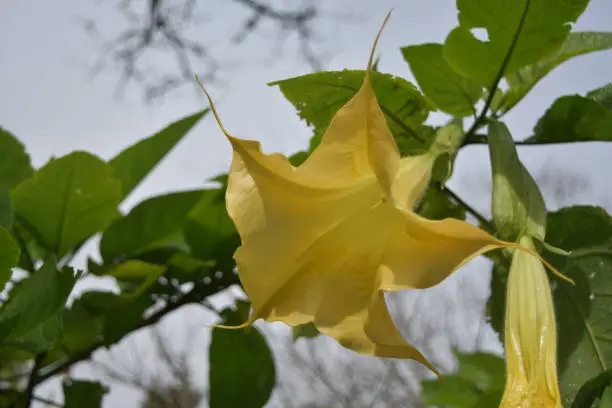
x=67, y=201
x=242, y=372
x=133, y=164
x=592, y=390
x=124, y=319
x=307, y=330
x=318, y=97
x=14, y=161
x=436, y=205
x=9, y=256
x=81, y=330
x=83, y=394
x=585, y=345
x=7, y=212
x=148, y=224
x=449, y=91
x=210, y=232
x=31, y=318
x=535, y=29
x=574, y=119
x=602, y=95
x=577, y=43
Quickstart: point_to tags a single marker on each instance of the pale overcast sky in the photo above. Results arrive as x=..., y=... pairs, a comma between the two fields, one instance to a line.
x=48, y=100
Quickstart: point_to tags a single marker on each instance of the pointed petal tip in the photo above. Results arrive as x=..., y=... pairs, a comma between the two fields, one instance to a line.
x=544, y=261
x=241, y=326
x=382, y=27
x=214, y=110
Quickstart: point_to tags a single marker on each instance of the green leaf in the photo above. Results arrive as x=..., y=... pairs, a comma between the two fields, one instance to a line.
x=606, y=399
x=31, y=319
x=318, y=97
x=9, y=256
x=532, y=29
x=486, y=371
x=67, y=201
x=585, y=345
x=242, y=372
x=436, y=205
x=454, y=392
x=7, y=212
x=83, y=394
x=14, y=161
x=592, y=390
x=148, y=224
x=210, y=232
x=478, y=383
x=124, y=319
x=602, y=95
x=306, y=330
x=449, y=91
x=133, y=164
x=135, y=277
x=577, y=43
x=82, y=328
x=574, y=119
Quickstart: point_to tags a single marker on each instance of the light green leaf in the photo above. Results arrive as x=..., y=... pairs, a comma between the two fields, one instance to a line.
x=602, y=95
x=318, y=97
x=577, y=43
x=149, y=223
x=531, y=29
x=14, y=161
x=67, y=201
x=449, y=91
x=31, y=319
x=133, y=164
x=135, y=277
x=83, y=394
x=574, y=119
x=242, y=372
x=9, y=256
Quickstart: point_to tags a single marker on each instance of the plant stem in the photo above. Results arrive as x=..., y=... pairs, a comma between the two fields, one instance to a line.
x=486, y=224
x=198, y=293
x=32, y=380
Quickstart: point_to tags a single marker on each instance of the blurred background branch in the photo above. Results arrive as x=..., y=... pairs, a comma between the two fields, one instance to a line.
x=166, y=26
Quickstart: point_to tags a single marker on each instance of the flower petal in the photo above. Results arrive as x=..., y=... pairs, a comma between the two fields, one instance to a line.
x=425, y=252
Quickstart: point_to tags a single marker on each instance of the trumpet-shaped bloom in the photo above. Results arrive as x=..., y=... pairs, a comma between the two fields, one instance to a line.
x=530, y=336
x=321, y=242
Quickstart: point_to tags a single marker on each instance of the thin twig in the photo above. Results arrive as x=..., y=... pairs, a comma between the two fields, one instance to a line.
x=46, y=401
x=486, y=224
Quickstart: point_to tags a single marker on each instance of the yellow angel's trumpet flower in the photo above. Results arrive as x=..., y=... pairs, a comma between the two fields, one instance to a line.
x=530, y=335
x=321, y=242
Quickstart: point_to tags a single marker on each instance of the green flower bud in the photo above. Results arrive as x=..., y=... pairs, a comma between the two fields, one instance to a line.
x=517, y=205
